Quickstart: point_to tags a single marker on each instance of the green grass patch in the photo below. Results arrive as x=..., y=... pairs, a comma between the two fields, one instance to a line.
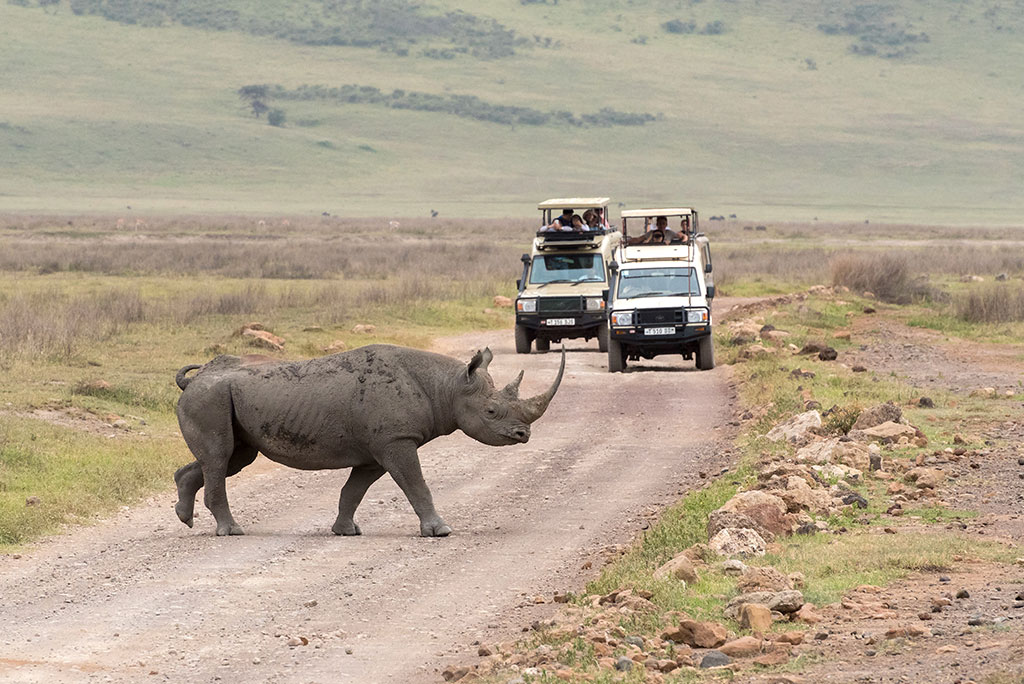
x=73, y=475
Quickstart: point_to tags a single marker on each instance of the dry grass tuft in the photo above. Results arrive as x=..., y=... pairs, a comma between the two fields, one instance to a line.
x=996, y=303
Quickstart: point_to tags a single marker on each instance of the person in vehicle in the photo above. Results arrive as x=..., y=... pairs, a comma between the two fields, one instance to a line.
x=658, y=235
x=592, y=219
x=562, y=223
x=684, y=229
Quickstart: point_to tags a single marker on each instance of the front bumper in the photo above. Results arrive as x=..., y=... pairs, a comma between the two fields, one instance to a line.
x=583, y=325
x=635, y=340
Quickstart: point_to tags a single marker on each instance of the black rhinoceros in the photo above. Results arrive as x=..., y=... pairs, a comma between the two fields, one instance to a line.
x=368, y=409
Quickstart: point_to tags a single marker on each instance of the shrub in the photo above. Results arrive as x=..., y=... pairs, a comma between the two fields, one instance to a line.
x=679, y=26
x=997, y=303
x=840, y=419
x=886, y=275
x=276, y=117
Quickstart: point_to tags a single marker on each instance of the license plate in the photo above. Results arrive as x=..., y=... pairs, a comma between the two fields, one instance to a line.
x=659, y=331
x=561, y=321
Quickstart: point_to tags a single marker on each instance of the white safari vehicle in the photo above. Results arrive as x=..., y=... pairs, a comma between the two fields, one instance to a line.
x=565, y=276
x=659, y=299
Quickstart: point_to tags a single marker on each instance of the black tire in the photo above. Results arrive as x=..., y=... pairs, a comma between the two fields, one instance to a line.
x=602, y=337
x=616, y=357
x=706, y=354
x=542, y=345
x=523, y=339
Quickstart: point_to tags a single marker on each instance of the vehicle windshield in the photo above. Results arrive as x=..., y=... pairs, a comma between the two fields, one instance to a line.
x=657, y=282
x=567, y=268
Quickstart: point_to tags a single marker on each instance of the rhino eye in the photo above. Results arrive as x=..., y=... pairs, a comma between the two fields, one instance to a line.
x=491, y=411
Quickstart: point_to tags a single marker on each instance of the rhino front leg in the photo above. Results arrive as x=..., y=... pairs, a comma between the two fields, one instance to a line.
x=403, y=463
x=352, y=494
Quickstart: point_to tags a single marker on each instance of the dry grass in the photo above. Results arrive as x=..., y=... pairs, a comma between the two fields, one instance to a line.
x=886, y=275
x=995, y=303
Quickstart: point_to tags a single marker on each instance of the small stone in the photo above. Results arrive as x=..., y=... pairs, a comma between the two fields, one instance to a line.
x=962, y=594
x=310, y=604
x=926, y=402
x=623, y=664
x=979, y=620
x=714, y=659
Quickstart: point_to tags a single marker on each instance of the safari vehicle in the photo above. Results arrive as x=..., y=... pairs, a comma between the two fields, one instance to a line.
x=564, y=276
x=659, y=300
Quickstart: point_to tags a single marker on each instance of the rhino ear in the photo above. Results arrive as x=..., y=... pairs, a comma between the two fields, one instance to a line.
x=480, y=361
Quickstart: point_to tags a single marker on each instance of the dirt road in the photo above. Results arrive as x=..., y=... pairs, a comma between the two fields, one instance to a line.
x=140, y=597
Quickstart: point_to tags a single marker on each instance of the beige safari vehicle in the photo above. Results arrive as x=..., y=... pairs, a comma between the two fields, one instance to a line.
x=659, y=298
x=565, y=275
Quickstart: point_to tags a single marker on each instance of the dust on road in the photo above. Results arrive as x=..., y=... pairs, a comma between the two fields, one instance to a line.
x=141, y=597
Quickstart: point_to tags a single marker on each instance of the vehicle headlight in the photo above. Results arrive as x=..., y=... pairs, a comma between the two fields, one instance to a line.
x=696, y=315
x=526, y=305
x=622, y=318
x=595, y=303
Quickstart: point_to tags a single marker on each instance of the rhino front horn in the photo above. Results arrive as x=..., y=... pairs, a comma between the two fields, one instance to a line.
x=534, y=407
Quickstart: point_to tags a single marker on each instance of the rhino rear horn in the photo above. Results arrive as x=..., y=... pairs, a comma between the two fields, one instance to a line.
x=534, y=407
x=511, y=390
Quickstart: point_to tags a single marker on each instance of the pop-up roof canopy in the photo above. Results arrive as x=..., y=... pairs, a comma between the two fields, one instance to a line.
x=651, y=213
x=575, y=203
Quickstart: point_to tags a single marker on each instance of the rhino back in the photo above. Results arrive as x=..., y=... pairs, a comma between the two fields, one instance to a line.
x=337, y=410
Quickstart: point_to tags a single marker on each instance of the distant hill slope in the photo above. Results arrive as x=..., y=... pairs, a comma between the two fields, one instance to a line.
x=906, y=110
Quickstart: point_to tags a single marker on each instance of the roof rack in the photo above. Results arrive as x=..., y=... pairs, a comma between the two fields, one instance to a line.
x=575, y=203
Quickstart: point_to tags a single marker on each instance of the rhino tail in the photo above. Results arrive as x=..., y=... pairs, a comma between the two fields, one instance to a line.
x=180, y=378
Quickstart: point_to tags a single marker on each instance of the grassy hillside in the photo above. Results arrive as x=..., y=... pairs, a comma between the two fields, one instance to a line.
x=764, y=108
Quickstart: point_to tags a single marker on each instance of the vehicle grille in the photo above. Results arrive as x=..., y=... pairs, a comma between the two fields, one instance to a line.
x=560, y=304
x=659, y=316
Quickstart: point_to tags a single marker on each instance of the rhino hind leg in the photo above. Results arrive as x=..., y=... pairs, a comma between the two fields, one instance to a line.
x=352, y=494
x=208, y=431
x=189, y=479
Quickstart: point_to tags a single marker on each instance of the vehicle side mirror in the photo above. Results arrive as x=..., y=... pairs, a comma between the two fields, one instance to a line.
x=604, y=295
x=614, y=267
x=519, y=284
x=711, y=291
x=707, y=267
x=525, y=258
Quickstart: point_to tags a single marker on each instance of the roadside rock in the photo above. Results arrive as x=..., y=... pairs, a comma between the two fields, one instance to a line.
x=714, y=659
x=763, y=579
x=756, y=617
x=796, y=428
x=335, y=346
x=364, y=329
x=789, y=601
x=738, y=541
x=679, y=567
x=744, y=647
x=926, y=478
x=887, y=433
x=807, y=615
x=755, y=351
x=745, y=501
x=719, y=520
x=697, y=634
x=828, y=354
x=502, y=302
x=264, y=339
x=878, y=414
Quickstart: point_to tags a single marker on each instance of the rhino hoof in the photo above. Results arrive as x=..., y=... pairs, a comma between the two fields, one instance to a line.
x=347, y=530
x=435, y=530
x=184, y=515
x=231, y=529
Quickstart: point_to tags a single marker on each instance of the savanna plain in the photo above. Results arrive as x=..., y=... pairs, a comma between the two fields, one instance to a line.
x=97, y=316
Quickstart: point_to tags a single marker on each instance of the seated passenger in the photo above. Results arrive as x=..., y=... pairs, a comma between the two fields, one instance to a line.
x=592, y=219
x=658, y=235
x=562, y=223
x=602, y=220
x=578, y=225
x=684, y=230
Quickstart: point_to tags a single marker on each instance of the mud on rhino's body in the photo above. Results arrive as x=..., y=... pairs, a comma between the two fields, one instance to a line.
x=368, y=409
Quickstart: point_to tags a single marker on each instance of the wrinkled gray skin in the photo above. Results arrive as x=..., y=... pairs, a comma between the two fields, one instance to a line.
x=368, y=409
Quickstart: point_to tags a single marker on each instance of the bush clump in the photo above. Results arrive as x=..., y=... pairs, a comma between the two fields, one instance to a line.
x=997, y=303
x=885, y=275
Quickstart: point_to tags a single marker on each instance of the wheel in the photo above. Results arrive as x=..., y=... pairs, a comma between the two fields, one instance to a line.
x=616, y=357
x=706, y=354
x=602, y=337
x=542, y=345
x=523, y=339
